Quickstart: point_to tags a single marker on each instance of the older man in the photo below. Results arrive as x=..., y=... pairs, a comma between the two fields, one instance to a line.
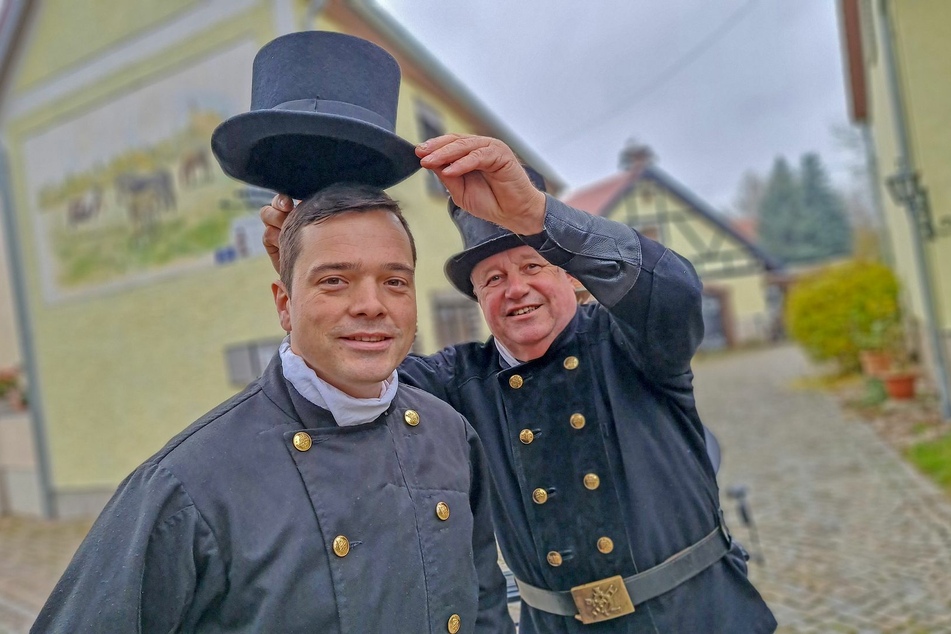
x=326, y=497
x=605, y=501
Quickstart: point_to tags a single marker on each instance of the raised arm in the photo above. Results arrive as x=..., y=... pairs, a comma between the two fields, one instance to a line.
x=652, y=294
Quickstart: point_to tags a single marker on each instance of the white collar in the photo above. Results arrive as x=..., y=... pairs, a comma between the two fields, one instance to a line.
x=508, y=359
x=347, y=410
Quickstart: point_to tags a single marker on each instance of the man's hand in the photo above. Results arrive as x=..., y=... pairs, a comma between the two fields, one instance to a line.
x=273, y=217
x=484, y=177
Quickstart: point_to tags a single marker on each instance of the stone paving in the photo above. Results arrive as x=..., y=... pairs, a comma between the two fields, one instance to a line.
x=853, y=540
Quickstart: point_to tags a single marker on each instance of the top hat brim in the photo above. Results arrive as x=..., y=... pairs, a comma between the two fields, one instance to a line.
x=459, y=267
x=300, y=153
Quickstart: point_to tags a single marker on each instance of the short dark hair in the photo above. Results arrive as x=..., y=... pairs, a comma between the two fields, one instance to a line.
x=328, y=202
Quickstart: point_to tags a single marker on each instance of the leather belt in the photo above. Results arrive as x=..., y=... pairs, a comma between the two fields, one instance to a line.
x=612, y=597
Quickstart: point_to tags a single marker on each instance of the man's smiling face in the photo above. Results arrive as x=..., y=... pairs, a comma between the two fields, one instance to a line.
x=351, y=313
x=526, y=300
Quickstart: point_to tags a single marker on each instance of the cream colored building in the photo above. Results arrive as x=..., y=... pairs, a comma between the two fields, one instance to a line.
x=138, y=295
x=898, y=60
x=742, y=286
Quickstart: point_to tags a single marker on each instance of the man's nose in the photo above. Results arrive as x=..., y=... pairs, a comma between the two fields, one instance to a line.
x=367, y=299
x=517, y=285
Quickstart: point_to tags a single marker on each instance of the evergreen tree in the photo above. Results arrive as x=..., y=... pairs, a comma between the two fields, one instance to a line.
x=802, y=219
x=780, y=213
x=825, y=211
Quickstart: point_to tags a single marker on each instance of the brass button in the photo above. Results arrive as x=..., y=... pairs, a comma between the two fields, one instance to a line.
x=540, y=496
x=554, y=559
x=454, y=624
x=411, y=418
x=515, y=381
x=577, y=421
x=341, y=546
x=605, y=545
x=592, y=481
x=571, y=363
x=442, y=511
x=302, y=441
x=526, y=436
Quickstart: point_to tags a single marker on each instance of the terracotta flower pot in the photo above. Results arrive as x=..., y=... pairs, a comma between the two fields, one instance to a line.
x=900, y=385
x=875, y=363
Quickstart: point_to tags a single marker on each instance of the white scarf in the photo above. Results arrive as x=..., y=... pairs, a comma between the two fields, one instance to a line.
x=347, y=410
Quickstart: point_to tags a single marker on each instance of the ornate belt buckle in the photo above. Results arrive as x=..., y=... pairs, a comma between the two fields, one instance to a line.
x=602, y=600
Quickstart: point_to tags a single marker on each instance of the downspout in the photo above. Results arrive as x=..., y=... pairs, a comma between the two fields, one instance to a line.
x=878, y=207
x=25, y=336
x=906, y=168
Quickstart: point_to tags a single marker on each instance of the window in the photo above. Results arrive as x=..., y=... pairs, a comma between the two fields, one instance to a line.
x=246, y=361
x=458, y=319
x=431, y=125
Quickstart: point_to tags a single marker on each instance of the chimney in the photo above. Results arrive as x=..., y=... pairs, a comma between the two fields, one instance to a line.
x=635, y=157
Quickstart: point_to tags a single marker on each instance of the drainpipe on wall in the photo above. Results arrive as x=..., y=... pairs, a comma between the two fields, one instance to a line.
x=912, y=205
x=878, y=208
x=25, y=335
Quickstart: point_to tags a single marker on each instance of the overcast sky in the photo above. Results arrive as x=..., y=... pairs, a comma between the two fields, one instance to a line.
x=715, y=87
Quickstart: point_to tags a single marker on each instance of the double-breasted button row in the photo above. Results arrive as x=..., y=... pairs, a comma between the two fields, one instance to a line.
x=605, y=545
x=303, y=442
x=570, y=363
x=341, y=544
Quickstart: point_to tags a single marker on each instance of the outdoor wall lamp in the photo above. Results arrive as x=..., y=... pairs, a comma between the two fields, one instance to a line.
x=906, y=189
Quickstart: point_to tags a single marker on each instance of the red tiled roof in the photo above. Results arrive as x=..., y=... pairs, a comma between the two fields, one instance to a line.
x=746, y=227
x=598, y=197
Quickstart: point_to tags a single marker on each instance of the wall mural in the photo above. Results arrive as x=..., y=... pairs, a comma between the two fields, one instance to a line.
x=129, y=191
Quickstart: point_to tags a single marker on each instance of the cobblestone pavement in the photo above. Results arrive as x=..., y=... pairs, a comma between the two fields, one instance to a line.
x=33, y=554
x=853, y=540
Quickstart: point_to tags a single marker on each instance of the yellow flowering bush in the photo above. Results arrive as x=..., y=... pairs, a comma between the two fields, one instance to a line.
x=837, y=311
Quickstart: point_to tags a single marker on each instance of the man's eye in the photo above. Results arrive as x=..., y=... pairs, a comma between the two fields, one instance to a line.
x=331, y=281
x=494, y=279
x=397, y=282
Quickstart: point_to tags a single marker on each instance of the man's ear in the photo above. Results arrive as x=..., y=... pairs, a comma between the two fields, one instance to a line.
x=282, y=301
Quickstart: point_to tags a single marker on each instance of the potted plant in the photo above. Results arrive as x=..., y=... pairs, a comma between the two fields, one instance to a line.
x=901, y=373
x=11, y=390
x=879, y=345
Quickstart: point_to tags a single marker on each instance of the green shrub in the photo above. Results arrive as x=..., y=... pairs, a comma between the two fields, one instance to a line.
x=837, y=311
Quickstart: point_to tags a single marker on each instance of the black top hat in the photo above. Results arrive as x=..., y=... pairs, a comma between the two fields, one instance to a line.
x=323, y=110
x=480, y=240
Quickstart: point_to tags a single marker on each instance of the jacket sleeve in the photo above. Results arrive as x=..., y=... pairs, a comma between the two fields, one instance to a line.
x=431, y=374
x=493, y=614
x=145, y=565
x=652, y=294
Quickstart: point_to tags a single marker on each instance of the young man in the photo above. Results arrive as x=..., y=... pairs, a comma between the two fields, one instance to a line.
x=605, y=501
x=327, y=496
